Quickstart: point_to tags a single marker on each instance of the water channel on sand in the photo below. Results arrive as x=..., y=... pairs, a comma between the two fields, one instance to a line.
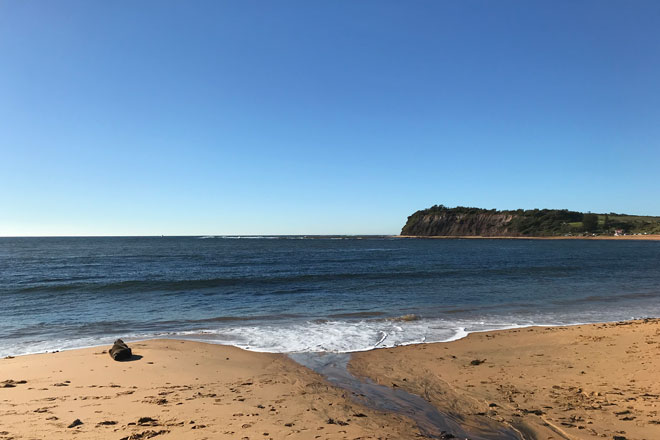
x=431, y=422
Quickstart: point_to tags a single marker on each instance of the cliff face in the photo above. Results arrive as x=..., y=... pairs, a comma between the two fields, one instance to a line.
x=462, y=221
x=452, y=224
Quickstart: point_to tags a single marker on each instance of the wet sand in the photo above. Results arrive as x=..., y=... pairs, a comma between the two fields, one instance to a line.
x=180, y=390
x=597, y=381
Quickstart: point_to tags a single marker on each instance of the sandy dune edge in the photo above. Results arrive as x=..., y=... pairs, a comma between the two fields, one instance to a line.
x=581, y=382
x=182, y=390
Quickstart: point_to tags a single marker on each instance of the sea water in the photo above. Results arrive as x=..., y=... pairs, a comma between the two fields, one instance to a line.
x=298, y=294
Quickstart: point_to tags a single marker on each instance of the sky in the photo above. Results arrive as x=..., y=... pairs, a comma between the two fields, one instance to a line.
x=324, y=117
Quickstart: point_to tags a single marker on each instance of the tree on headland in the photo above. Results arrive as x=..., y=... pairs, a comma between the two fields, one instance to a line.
x=590, y=222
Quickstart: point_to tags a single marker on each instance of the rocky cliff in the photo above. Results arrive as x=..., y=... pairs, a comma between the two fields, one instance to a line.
x=461, y=221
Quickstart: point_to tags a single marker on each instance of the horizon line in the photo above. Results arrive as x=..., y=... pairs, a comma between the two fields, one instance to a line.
x=199, y=235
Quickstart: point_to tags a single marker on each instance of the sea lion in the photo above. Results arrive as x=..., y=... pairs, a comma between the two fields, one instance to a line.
x=120, y=351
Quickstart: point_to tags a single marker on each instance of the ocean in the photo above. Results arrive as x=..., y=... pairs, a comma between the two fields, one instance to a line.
x=297, y=294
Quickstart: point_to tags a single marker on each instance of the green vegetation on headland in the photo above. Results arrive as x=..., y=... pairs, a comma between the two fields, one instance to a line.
x=440, y=220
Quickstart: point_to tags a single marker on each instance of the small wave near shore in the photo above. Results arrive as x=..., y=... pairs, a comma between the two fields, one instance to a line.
x=321, y=335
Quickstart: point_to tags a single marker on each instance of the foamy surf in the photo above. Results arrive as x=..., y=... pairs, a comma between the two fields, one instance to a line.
x=336, y=336
x=307, y=337
x=342, y=336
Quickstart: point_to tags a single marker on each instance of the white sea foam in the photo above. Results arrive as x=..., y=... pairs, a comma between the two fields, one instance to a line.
x=310, y=336
x=341, y=336
x=338, y=336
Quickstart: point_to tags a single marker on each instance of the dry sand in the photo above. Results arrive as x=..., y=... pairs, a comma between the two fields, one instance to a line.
x=179, y=390
x=580, y=382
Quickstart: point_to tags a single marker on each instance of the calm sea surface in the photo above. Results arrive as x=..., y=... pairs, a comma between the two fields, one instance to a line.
x=290, y=295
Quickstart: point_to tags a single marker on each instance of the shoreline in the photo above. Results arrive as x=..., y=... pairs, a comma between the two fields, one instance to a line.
x=650, y=237
x=577, y=381
x=461, y=333
x=567, y=382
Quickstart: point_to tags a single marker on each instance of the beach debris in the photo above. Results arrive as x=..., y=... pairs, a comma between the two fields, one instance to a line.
x=125, y=393
x=75, y=423
x=477, y=361
x=120, y=351
x=9, y=383
x=147, y=421
x=145, y=434
x=156, y=400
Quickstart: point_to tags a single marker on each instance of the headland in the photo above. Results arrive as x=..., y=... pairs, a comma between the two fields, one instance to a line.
x=463, y=222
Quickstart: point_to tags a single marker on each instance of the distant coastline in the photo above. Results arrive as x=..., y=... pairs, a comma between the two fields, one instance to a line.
x=649, y=237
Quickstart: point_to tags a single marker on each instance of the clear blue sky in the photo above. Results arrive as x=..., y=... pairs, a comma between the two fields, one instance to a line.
x=285, y=117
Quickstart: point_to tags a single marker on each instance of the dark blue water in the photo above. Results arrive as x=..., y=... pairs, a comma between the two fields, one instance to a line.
x=292, y=295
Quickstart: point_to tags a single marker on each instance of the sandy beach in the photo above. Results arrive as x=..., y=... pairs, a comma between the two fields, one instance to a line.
x=179, y=390
x=577, y=382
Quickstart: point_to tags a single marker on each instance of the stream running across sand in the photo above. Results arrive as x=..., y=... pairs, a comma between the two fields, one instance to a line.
x=431, y=422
